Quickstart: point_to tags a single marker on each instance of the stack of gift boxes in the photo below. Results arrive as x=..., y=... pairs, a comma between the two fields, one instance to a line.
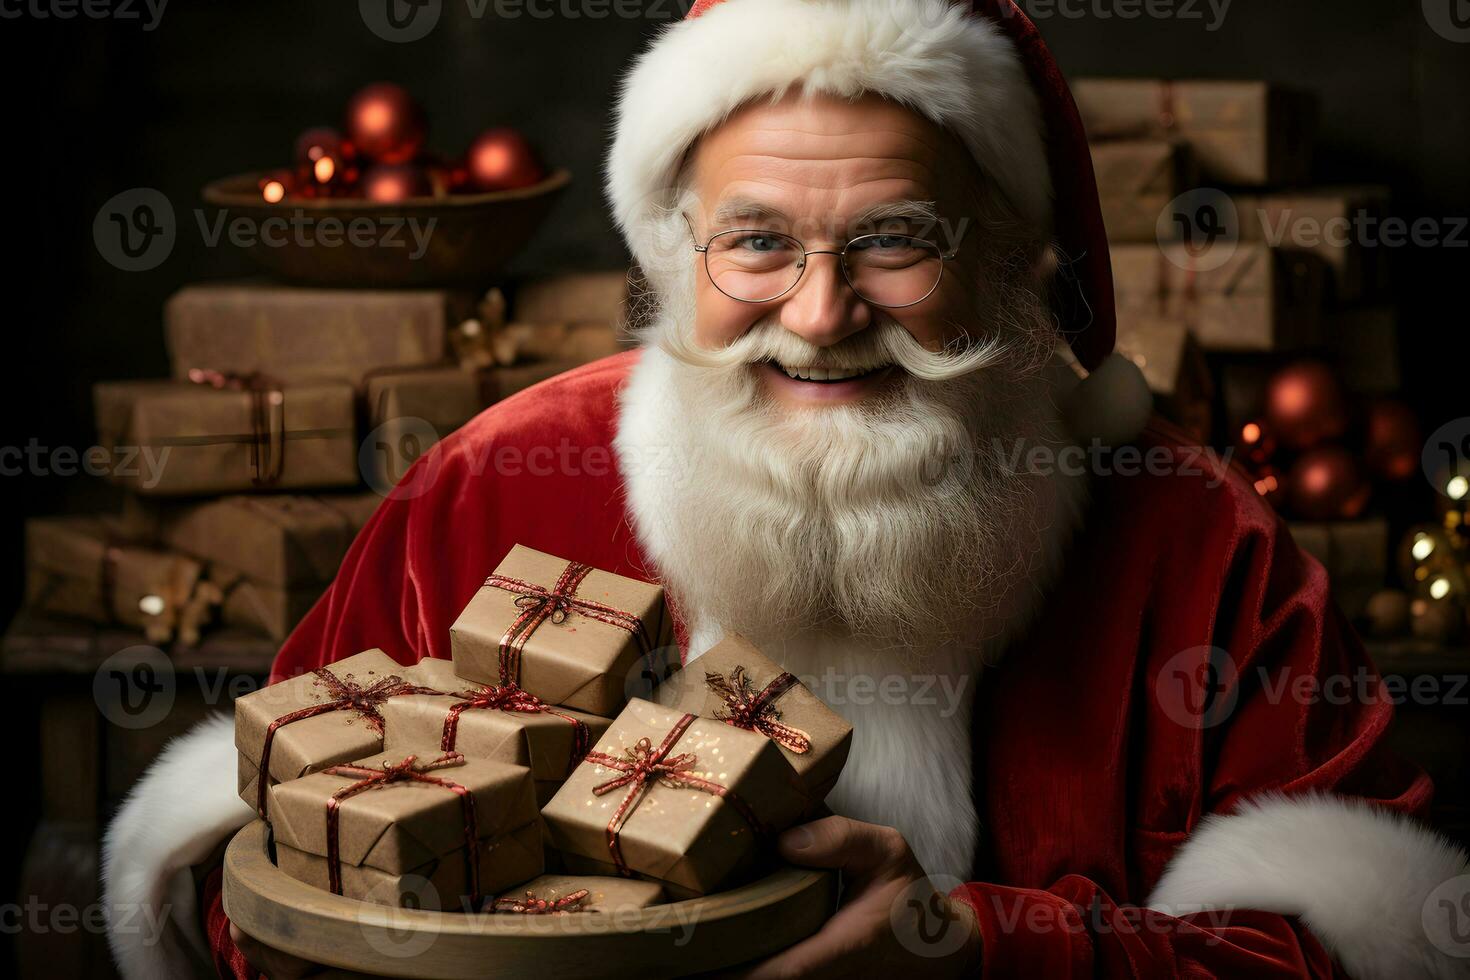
x=290, y=412
x=522, y=777
x=1226, y=262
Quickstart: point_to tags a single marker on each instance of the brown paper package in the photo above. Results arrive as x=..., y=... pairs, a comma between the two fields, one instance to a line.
x=693, y=841
x=572, y=299
x=1324, y=222
x=87, y=567
x=540, y=741
x=410, y=411
x=298, y=334
x=282, y=540
x=830, y=734
x=581, y=662
x=312, y=743
x=1136, y=180
x=1260, y=299
x=605, y=894
x=207, y=436
x=259, y=608
x=1248, y=133
x=391, y=837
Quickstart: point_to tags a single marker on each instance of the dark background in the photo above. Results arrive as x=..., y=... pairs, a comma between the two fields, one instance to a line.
x=98, y=106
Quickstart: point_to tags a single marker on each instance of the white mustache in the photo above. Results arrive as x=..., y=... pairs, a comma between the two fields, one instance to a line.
x=885, y=342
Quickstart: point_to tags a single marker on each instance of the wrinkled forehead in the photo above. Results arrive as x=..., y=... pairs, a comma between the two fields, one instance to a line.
x=821, y=161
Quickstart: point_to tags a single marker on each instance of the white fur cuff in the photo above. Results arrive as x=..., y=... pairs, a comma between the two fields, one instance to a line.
x=1386, y=896
x=181, y=809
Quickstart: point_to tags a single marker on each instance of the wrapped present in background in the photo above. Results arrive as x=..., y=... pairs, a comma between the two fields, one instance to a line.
x=1355, y=554
x=261, y=608
x=1338, y=225
x=735, y=683
x=410, y=411
x=1258, y=299
x=565, y=894
x=673, y=797
x=1248, y=133
x=298, y=334
x=501, y=723
x=89, y=567
x=437, y=830
x=281, y=540
x=182, y=438
x=568, y=633
x=1136, y=180
x=305, y=723
x=1175, y=368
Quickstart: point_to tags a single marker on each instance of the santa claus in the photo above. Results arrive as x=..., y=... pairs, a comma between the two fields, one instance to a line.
x=871, y=234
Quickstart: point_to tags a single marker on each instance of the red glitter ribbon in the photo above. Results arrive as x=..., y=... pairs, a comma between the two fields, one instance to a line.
x=538, y=604
x=345, y=695
x=509, y=698
x=397, y=773
x=643, y=765
x=531, y=905
x=757, y=712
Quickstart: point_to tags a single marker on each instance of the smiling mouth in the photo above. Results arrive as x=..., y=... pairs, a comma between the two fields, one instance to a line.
x=826, y=375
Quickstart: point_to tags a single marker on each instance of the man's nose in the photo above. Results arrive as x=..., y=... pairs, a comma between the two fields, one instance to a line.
x=823, y=309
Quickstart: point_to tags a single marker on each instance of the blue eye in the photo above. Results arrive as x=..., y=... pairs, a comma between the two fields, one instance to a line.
x=761, y=243
x=883, y=242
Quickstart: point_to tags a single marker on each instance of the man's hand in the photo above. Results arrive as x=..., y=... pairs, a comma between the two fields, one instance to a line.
x=891, y=918
x=272, y=962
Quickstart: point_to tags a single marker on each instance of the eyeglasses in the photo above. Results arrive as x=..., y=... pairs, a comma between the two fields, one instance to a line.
x=753, y=265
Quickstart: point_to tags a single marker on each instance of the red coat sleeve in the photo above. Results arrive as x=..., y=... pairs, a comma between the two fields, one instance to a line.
x=1235, y=676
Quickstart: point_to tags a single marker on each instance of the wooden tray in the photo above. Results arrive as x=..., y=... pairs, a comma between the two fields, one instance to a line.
x=709, y=933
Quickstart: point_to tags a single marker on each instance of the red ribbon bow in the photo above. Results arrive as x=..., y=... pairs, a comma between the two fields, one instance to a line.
x=345, y=695
x=757, y=712
x=509, y=698
x=531, y=905
x=388, y=774
x=642, y=766
x=538, y=604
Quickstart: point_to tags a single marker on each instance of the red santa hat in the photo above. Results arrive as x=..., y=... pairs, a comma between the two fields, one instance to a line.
x=978, y=68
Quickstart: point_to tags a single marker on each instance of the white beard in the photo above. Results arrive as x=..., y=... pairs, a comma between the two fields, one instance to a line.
x=825, y=541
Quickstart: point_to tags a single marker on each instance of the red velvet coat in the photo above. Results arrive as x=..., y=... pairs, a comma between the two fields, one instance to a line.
x=1087, y=782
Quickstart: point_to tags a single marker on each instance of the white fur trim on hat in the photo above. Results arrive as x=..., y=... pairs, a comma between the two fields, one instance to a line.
x=957, y=69
x=1368, y=883
x=176, y=815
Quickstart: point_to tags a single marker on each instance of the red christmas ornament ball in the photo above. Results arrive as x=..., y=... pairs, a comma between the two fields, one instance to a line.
x=1327, y=484
x=324, y=159
x=386, y=124
x=1305, y=405
x=389, y=183
x=1392, y=440
x=500, y=159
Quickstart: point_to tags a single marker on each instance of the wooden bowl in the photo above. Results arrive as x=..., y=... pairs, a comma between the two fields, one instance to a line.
x=709, y=933
x=463, y=239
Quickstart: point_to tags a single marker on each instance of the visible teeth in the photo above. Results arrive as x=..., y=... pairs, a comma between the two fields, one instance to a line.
x=824, y=374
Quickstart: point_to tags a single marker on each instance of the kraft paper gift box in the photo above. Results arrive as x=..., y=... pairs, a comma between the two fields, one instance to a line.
x=413, y=410
x=379, y=829
x=1136, y=180
x=701, y=817
x=567, y=894
x=1175, y=368
x=572, y=635
x=181, y=438
x=1354, y=553
x=1325, y=222
x=309, y=722
x=297, y=333
x=260, y=608
x=1257, y=299
x=91, y=568
x=282, y=540
x=735, y=683
x=1248, y=133
x=503, y=724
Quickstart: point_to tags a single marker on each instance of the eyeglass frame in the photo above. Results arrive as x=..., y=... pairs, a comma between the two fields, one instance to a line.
x=841, y=261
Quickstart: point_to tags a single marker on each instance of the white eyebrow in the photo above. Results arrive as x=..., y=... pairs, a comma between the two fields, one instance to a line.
x=744, y=209
x=911, y=210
